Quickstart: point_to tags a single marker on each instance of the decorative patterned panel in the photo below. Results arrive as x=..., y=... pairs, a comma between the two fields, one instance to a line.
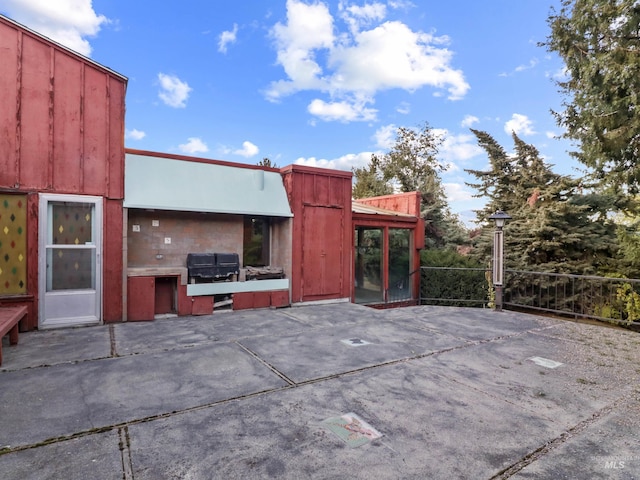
x=71, y=268
x=71, y=223
x=13, y=244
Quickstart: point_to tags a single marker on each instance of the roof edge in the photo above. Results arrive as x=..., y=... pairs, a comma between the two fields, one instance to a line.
x=56, y=44
x=187, y=158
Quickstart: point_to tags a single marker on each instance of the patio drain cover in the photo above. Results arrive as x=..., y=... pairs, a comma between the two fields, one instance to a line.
x=355, y=342
x=352, y=429
x=545, y=362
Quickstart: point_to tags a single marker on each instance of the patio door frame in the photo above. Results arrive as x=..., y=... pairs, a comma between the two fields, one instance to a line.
x=79, y=307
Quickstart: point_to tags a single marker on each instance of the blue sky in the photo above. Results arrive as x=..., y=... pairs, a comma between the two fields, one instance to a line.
x=322, y=83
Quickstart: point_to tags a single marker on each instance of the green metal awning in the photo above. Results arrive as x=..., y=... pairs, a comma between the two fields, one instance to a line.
x=159, y=183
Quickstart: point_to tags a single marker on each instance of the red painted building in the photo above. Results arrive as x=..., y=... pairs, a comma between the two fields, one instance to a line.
x=61, y=182
x=73, y=201
x=321, y=203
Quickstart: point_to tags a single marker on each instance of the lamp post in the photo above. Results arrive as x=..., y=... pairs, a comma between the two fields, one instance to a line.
x=499, y=218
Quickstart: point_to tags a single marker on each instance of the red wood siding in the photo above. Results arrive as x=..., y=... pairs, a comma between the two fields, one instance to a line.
x=8, y=112
x=322, y=254
x=141, y=298
x=402, y=202
x=95, y=147
x=112, y=262
x=62, y=131
x=202, y=305
x=62, y=118
x=114, y=131
x=249, y=300
x=33, y=125
x=321, y=203
x=67, y=122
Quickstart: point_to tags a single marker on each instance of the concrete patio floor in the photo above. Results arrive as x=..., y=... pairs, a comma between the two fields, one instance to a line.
x=454, y=392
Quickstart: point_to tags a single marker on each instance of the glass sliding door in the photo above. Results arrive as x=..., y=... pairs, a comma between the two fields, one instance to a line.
x=369, y=279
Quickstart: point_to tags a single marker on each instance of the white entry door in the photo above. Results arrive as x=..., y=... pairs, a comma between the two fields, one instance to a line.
x=70, y=231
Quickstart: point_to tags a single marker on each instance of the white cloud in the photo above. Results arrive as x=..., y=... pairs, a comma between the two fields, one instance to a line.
x=532, y=63
x=358, y=16
x=560, y=75
x=67, y=22
x=457, y=192
x=308, y=27
x=469, y=120
x=361, y=62
x=385, y=136
x=135, y=134
x=341, y=111
x=194, y=145
x=404, y=108
x=173, y=91
x=345, y=162
x=401, y=4
x=520, y=124
x=248, y=150
x=227, y=37
x=521, y=68
x=456, y=149
x=393, y=56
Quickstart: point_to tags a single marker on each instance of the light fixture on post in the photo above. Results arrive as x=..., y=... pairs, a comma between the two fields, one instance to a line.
x=499, y=218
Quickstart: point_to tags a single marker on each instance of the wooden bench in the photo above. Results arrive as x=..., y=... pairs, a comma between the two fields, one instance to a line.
x=9, y=319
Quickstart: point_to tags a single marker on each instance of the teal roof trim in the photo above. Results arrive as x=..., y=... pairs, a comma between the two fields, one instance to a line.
x=172, y=184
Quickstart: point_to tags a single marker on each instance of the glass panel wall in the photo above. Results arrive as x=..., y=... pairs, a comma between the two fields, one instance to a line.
x=399, y=264
x=369, y=287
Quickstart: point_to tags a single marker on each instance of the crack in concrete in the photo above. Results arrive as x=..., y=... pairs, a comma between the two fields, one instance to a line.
x=556, y=442
x=290, y=385
x=266, y=364
x=125, y=441
x=124, y=444
x=112, y=341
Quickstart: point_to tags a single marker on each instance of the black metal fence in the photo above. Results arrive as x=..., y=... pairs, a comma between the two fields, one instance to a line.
x=614, y=300
x=400, y=288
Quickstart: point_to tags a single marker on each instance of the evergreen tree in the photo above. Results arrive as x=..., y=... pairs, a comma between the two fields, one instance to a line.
x=599, y=42
x=628, y=226
x=555, y=227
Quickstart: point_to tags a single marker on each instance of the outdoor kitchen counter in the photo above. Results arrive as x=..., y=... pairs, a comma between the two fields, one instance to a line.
x=159, y=272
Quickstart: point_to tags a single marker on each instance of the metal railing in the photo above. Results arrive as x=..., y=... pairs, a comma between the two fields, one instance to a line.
x=614, y=300
x=401, y=289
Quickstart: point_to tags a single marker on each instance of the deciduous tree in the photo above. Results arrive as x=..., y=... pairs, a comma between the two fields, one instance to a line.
x=412, y=165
